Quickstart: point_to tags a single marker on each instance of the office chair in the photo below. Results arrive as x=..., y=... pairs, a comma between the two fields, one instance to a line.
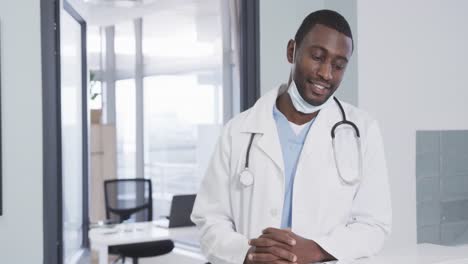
x=132, y=199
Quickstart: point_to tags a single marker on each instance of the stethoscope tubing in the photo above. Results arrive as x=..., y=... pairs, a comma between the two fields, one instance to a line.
x=246, y=166
x=344, y=121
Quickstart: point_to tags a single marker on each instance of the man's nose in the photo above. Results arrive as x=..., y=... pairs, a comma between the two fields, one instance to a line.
x=325, y=71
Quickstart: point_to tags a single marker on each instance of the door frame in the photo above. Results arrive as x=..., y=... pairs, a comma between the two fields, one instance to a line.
x=85, y=120
x=51, y=130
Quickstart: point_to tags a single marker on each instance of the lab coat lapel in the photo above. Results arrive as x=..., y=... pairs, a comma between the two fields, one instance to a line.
x=270, y=144
x=260, y=120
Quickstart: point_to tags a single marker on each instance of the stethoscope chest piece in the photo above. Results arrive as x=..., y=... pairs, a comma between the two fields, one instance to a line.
x=246, y=178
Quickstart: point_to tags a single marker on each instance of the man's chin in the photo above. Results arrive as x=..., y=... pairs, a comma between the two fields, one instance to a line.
x=316, y=102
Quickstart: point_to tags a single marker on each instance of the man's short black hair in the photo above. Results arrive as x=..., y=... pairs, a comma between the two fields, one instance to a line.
x=324, y=17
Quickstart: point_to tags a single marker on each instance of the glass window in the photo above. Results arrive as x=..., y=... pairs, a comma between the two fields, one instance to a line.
x=181, y=127
x=125, y=126
x=182, y=97
x=93, y=47
x=124, y=45
x=95, y=88
x=72, y=141
x=195, y=45
x=94, y=43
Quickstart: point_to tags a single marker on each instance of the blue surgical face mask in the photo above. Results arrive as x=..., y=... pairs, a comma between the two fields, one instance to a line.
x=299, y=103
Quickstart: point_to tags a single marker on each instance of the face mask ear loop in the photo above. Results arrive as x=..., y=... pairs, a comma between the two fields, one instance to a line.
x=294, y=55
x=293, y=66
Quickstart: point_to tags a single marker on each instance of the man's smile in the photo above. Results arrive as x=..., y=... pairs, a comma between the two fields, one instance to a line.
x=318, y=88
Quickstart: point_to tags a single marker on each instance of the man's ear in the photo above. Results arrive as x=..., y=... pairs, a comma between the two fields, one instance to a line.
x=290, y=51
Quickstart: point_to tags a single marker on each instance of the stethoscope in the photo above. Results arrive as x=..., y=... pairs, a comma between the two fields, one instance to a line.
x=247, y=179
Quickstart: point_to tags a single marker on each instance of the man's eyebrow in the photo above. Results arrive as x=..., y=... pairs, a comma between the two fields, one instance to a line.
x=325, y=50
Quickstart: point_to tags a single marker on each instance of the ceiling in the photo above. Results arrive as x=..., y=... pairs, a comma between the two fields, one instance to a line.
x=109, y=12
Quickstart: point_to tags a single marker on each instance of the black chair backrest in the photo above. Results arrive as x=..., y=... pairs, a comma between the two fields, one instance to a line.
x=125, y=198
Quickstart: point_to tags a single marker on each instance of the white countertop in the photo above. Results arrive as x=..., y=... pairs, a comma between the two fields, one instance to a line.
x=419, y=254
x=149, y=231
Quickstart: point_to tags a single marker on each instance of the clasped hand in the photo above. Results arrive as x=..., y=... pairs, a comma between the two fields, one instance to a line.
x=282, y=246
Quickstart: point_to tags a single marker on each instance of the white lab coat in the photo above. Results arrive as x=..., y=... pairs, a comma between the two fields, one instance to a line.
x=349, y=222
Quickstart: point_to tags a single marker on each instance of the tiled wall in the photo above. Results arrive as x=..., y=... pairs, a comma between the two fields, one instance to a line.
x=442, y=187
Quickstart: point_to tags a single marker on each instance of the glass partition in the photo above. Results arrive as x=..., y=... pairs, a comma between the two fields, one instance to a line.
x=72, y=137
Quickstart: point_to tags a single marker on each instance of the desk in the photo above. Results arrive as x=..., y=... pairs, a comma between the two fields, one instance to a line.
x=102, y=237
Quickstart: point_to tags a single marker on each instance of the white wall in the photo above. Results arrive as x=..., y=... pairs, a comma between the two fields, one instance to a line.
x=21, y=223
x=412, y=76
x=279, y=21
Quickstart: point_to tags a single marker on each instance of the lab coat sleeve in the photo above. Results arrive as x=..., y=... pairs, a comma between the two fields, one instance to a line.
x=370, y=220
x=220, y=242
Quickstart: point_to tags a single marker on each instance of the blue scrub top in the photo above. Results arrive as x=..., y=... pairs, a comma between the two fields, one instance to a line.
x=291, y=147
